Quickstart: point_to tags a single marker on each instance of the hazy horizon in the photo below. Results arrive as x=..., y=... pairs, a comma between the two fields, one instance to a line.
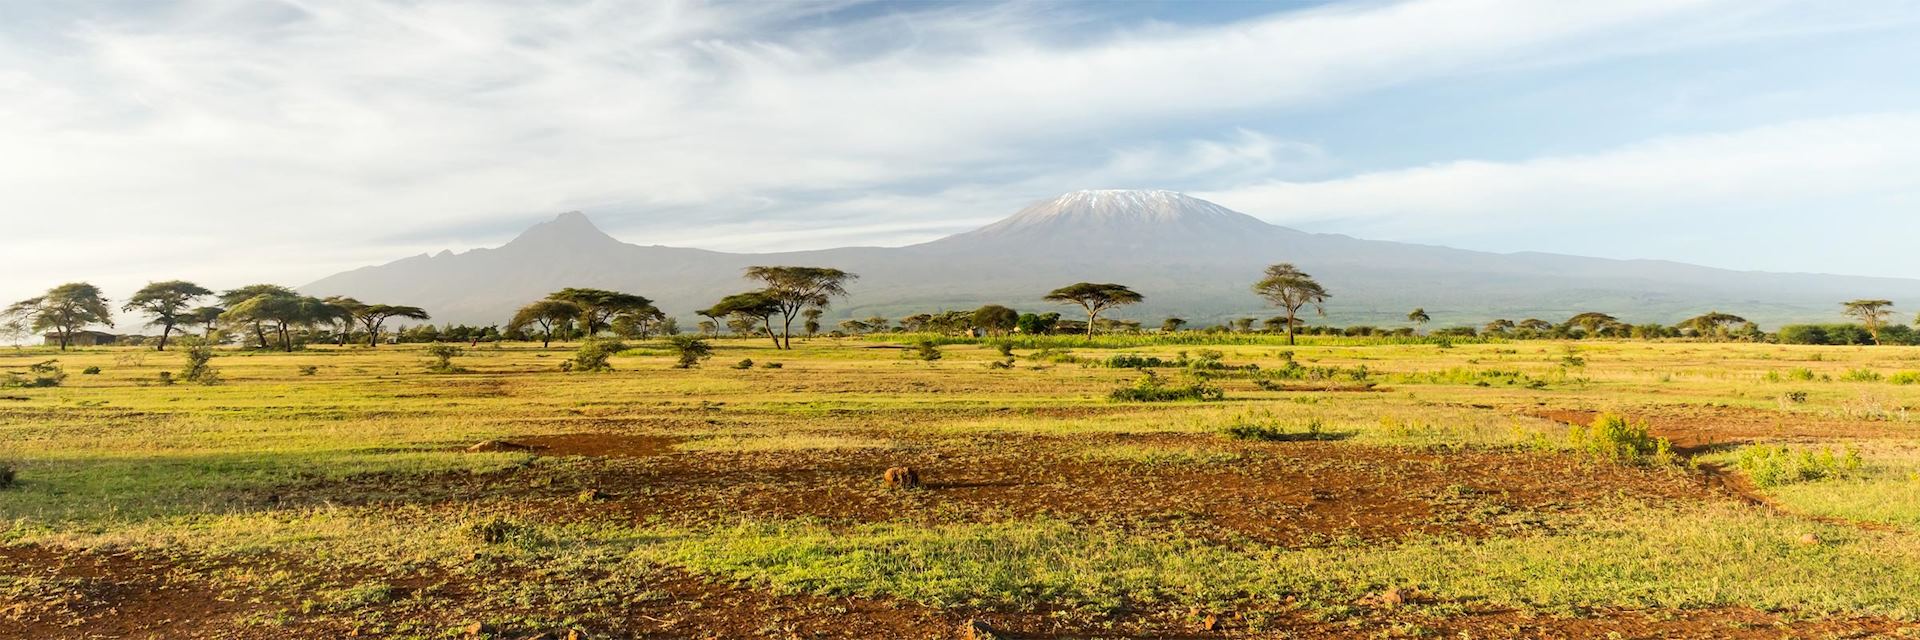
x=237, y=142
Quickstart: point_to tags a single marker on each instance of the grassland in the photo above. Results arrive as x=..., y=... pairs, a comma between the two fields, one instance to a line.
x=1341, y=488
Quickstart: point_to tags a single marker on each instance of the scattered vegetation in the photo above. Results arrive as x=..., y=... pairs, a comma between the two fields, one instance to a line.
x=1149, y=387
x=595, y=355
x=1771, y=465
x=1613, y=438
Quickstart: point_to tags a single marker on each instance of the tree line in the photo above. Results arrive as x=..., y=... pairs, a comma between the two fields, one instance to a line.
x=267, y=316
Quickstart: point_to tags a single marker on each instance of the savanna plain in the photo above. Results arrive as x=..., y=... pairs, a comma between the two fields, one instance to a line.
x=1113, y=488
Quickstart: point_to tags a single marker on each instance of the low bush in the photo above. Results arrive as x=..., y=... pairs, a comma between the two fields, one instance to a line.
x=1150, y=388
x=689, y=349
x=7, y=477
x=1862, y=375
x=199, y=366
x=1905, y=378
x=1612, y=438
x=90, y=371
x=1774, y=465
x=595, y=355
x=42, y=374
x=1269, y=430
x=443, y=355
x=744, y=364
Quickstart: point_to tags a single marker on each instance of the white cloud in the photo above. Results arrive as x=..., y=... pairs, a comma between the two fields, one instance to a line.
x=1807, y=180
x=300, y=135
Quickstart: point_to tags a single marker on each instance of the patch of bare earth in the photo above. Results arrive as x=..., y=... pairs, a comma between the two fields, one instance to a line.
x=1291, y=494
x=66, y=594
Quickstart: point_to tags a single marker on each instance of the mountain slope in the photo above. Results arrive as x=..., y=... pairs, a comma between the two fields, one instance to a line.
x=1190, y=257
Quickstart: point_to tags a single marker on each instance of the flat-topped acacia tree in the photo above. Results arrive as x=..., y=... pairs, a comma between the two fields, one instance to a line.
x=166, y=304
x=547, y=314
x=1094, y=298
x=796, y=289
x=747, y=307
x=1871, y=313
x=1289, y=288
x=599, y=306
x=65, y=308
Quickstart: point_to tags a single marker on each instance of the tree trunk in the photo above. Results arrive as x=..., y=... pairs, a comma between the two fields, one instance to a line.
x=776, y=337
x=1292, y=326
x=260, y=331
x=1091, y=316
x=164, y=330
x=373, y=335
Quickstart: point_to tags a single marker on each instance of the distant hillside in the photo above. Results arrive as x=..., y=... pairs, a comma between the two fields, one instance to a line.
x=1190, y=257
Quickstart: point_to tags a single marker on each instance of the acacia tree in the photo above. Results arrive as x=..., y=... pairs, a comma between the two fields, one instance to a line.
x=599, y=306
x=1871, y=313
x=166, y=303
x=1094, y=298
x=547, y=314
x=812, y=323
x=373, y=316
x=207, y=318
x=284, y=313
x=747, y=307
x=1712, y=324
x=65, y=308
x=996, y=319
x=1419, y=317
x=1592, y=321
x=1501, y=325
x=233, y=297
x=1289, y=288
x=793, y=289
x=1171, y=325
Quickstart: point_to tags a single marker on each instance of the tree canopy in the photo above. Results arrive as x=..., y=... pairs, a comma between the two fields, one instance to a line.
x=1094, y=298
x=599, y=306
x=166, y=305
x=1871, y=313
x=756, y=305
x=1289, y=288
x=795, y=289
x=65, y=309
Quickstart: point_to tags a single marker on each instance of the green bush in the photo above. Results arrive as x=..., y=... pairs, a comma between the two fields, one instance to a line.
x=1775, y=465
x=1612, y=438
x=1137, y=361
x=1150, y=388
x=90, y=371
x=1861, y=375
x=1905, y=377
x=46, y=373
x=1270, y=430
x=198, y=367
x=6, y=476
x=744, y=364
x=595, y=354
x=443, y=355
x=690, y=350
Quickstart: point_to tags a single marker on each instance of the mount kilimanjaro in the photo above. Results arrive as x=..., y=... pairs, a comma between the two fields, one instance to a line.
x=1191, y=258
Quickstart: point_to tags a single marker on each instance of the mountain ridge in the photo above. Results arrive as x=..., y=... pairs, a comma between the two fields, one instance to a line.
x=1190, y=257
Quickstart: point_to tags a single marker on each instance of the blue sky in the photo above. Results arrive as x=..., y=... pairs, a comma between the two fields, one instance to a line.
x=234, y=141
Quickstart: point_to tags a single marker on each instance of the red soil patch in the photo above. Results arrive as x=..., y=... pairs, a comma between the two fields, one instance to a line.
x=1295, y=494
x=111, y=596
x=600, y=445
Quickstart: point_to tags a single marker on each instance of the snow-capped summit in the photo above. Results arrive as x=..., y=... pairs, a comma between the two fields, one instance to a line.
x=1122, y=218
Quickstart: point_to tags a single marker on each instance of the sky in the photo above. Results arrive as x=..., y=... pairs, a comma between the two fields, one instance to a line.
x=240, y=141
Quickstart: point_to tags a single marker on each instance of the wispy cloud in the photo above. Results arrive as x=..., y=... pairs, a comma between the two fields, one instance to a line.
x=323, y=134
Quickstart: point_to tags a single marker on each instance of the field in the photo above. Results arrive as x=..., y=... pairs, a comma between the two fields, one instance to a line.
x=1368, y=490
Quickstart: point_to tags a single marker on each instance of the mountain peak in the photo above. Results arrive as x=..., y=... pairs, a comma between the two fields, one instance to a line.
x=1122, y=218
x=570, y=229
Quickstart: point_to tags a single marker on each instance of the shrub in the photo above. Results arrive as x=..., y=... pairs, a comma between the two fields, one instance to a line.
x=690, y=350
x=1775, y=465
x=926, y=350
x=309, y=370
x=40, y=374
x=199, y=368
x=744, y=364
x=770, y=365
x=166, y=377
x=1276, y=431
x=1150, y=388
x=7, y=477
x=90, y=371
x=1861, y=375
x=1137, y=361
x=443, y=355
x=1905, y=378
x=594, y=354
x=1612, y=438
